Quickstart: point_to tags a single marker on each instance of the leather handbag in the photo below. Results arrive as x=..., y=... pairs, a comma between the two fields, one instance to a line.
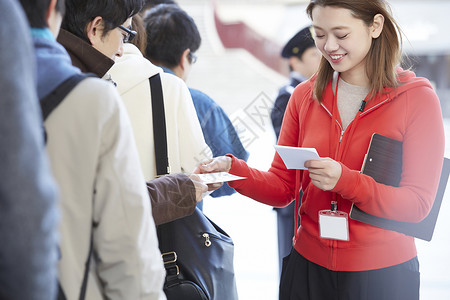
x=198, y=255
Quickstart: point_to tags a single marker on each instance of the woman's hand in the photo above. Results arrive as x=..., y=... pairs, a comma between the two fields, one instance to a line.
x=324, y=173
x=217, y=164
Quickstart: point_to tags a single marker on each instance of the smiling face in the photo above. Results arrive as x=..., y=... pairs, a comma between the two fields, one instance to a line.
x=344, y=41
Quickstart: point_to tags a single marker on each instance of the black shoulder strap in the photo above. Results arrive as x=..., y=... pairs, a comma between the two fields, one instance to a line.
x=159, y=126
x=52, y=100
x=86, y=270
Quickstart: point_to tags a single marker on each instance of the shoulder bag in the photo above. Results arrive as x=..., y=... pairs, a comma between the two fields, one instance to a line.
x=197, y=254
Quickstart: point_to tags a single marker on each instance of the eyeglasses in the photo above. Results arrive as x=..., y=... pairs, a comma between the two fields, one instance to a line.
x=130, y=34
x=192, y=57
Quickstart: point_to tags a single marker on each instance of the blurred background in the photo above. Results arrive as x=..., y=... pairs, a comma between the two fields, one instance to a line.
x=240, y=67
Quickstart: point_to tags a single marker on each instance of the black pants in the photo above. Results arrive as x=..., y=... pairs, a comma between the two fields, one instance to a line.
x=304, y=280
x=285, y=231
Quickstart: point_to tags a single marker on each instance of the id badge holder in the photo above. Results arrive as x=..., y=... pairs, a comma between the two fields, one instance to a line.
x=333, y=223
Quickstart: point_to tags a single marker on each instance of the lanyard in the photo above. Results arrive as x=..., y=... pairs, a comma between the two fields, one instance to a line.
x=334, y=113
x=334, y=120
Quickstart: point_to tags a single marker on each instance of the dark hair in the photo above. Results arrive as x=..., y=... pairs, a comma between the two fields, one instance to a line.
x=36, y=11
x=170, y=31
x=384, y=54
x=114, y=13
x=152, y=3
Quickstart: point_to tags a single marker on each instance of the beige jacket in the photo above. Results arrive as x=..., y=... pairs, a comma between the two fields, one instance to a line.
x=95, y=162
x=186, y=144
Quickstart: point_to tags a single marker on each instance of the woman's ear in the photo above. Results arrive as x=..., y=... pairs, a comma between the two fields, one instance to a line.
x=377, y=26
x=94, y=30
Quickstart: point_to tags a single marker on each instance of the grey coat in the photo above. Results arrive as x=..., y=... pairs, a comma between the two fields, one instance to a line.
x=28, y=215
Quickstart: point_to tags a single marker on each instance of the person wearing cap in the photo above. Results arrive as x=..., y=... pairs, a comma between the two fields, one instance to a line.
x=304, y=59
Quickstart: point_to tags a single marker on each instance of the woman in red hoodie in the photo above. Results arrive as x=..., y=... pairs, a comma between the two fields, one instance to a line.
x=359, y=90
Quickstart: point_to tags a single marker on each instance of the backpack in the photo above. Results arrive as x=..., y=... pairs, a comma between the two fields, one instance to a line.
x=48, y=104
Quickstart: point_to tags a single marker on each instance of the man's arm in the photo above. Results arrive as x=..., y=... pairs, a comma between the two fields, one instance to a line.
x=172, y=197
x=28, y=215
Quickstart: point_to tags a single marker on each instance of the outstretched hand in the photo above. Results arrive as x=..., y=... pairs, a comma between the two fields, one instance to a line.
x=217, y=164
x=324, y=173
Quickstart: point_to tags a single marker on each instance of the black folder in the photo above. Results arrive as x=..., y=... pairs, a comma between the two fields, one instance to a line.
x=383, y=162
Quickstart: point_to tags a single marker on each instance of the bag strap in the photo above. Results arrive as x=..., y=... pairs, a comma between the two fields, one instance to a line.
x=168, y=254
x=166, y=244
x=52, y=100
x=159, y=126
x=86, y=270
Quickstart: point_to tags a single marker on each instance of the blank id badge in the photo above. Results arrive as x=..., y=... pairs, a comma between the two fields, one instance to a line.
x=333, y=225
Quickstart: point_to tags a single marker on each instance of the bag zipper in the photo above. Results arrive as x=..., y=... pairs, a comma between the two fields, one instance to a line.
x=208, y=236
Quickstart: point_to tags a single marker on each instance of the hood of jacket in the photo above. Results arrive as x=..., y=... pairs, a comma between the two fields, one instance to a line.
x=53, y=62
x=407, y=81
x=132, y=69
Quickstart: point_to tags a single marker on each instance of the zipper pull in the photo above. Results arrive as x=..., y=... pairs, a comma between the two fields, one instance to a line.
x=207, y=241
x=342, y=134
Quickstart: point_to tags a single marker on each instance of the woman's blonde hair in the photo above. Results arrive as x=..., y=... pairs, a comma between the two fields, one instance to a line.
x=385, y=53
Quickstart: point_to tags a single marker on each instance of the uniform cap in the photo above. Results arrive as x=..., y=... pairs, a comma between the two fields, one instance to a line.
x=298, y=43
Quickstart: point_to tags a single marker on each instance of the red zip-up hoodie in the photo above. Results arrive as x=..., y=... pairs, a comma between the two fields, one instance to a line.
x=409, y=113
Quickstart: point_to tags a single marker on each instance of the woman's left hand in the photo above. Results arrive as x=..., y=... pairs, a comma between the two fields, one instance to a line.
x=324, y=173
